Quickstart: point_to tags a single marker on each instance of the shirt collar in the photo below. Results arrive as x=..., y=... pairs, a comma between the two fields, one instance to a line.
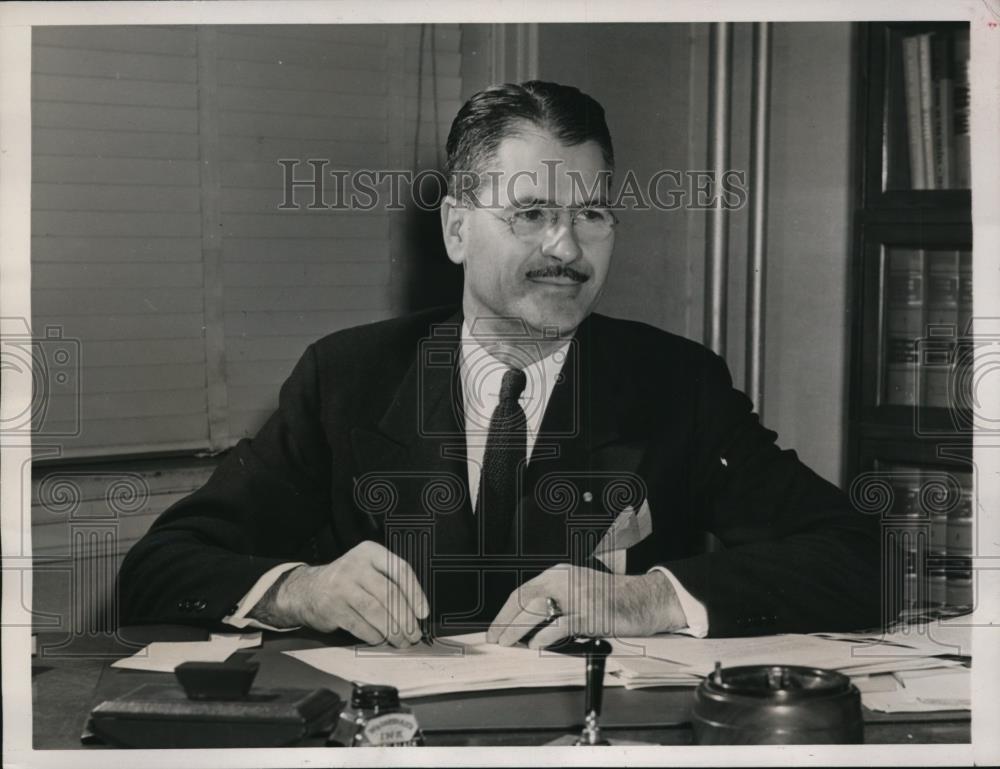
x=472, y=350
x=481, y=374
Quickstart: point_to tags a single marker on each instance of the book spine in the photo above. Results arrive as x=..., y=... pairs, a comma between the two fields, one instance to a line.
x=896, y=143
x=937, y=574
x=959, y=546
x=926, y=109
x=937, y=586
x=938, y=358
x=913, y=531
x=965, y=348
x=964, y=292
x=961, y=165
x=904, y=325
x=943, y=87
x=911, y=81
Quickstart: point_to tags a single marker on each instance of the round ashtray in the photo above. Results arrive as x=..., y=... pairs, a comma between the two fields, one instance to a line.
x=777, y=704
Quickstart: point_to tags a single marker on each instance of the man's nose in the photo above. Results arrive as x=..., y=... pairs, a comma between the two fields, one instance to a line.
x=560, y=241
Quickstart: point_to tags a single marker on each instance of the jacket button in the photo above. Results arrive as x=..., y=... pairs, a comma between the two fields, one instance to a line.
x=184, y=606
x=200, y=605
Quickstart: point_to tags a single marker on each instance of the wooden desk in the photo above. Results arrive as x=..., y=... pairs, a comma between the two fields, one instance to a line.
x=69, y=679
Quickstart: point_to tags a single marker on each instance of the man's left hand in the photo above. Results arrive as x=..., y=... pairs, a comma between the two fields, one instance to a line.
x=593, y=603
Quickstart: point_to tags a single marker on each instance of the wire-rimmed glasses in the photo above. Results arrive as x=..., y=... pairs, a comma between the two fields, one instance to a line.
x=591, y=224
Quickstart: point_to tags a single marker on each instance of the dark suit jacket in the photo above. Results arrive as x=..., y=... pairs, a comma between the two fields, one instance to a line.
x=368, y=443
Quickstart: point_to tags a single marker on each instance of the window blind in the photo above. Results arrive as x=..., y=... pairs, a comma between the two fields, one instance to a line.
x=331, y=94
x=157, y=241
x=116, y=241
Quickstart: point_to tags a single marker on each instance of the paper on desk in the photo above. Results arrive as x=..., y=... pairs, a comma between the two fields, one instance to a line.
x=659, y=661
x=953, y=637
x=899, y=664
x=163, y=656
x=640, y=672
x=882, y=682
x=421, y=672
x=467, y=663
x=924, y=690
x=643, y=672
x=699, y=655
x=443, y=646
x=672, y=660
x=920, y=681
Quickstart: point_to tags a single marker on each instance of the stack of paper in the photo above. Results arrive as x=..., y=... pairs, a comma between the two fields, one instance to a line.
x=918, y=663
x=670, y=660
x=699, y=655
x=664, y=659
x=923, y=690
x=468, y=663
x=453, y=664
x=639, y=672
x=945, y=637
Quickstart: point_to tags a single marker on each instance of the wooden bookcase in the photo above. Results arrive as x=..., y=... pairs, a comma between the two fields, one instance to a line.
x=909, y=425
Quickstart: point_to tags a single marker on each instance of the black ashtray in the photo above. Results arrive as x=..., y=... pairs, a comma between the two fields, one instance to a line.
x=776, y=705
x=230, y=680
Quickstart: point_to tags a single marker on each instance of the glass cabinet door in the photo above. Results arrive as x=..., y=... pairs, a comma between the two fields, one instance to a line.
x=925, y=105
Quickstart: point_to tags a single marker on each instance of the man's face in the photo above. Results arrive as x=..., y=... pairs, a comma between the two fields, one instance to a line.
x=552, y=279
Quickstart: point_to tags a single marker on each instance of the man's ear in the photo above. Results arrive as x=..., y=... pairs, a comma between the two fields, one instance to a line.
x=453, y=228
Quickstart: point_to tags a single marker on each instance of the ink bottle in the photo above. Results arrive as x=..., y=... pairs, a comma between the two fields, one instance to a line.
x=376, y=718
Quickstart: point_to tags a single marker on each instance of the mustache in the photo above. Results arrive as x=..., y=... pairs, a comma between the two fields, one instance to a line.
x=558, y=271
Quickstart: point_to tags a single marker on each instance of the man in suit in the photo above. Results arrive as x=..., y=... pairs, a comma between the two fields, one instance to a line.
x=481, y=466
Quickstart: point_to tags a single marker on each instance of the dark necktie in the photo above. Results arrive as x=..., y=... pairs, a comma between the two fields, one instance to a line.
x=506, y=450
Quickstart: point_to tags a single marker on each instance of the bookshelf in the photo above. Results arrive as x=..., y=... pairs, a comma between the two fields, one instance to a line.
x=909, y=455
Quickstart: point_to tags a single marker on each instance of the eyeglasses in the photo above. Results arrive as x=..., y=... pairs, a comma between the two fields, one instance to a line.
x=591, y=224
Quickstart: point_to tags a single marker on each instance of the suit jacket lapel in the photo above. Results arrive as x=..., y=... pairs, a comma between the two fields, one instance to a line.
x=418, y=451
x=583, y=469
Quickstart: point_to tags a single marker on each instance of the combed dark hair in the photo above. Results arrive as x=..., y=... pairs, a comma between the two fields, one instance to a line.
x=493, y=115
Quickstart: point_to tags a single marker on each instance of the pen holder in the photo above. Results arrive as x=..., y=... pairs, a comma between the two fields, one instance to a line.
x=596, y=653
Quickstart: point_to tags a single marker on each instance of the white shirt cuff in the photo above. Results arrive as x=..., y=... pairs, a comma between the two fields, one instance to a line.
x=694, y=610
x=239, y=617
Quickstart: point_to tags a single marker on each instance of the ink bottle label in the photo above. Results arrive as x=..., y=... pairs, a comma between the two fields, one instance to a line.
x=375, y=717
x=392, y=729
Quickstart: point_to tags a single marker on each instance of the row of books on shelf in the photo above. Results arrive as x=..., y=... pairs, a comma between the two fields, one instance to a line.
x=932, y=521
x=928, y=309
x=935, y=75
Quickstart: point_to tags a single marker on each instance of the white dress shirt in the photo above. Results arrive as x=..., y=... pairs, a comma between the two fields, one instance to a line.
x=481, y=374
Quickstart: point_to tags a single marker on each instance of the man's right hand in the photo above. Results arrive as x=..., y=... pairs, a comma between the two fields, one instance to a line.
x=369, y=591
